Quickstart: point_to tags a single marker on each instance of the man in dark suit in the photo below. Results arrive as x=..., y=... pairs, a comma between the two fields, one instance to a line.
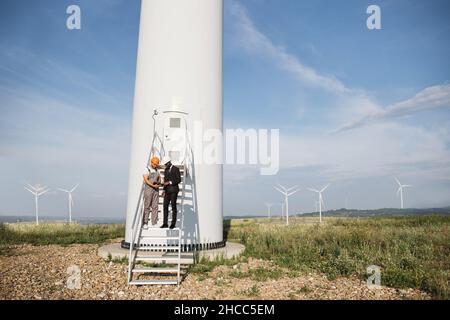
x=172, y=178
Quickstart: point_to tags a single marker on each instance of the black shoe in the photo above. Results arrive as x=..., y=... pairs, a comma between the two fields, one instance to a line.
x=164, y=226
x=172, y=226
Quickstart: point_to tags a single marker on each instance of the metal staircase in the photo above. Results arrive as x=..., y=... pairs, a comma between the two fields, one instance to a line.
x=155, y=253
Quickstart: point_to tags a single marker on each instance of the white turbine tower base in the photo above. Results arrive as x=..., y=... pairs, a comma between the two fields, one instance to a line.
x=37, y=191
x=287, y=192
x=320, y=199
x=400, y=191
x=69, y=192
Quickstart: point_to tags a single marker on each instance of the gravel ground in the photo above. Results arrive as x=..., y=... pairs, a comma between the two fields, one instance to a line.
x=28, y=272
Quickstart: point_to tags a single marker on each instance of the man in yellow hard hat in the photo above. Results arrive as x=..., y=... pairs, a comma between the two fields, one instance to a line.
x=152, y=180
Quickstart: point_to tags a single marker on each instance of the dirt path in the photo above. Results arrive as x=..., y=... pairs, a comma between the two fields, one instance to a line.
x=28, y=272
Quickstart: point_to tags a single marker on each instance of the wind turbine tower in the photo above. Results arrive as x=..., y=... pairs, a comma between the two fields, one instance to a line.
x=320, y=199
x=287, y=192
x=269, y=207
x=37, y=191
x=69, y=192
x=400, y=191
x=282, y=210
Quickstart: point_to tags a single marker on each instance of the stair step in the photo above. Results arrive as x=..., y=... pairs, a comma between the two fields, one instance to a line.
x=155, y=233
x=150, y=282
x=159, y=238
x=165, y=229
x=161, y=248
x=157, y=258
x=155, y=270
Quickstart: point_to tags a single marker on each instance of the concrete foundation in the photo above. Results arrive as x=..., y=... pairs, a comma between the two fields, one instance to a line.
x=230, y=251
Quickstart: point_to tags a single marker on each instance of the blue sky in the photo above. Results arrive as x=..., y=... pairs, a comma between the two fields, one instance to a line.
x=355, y=107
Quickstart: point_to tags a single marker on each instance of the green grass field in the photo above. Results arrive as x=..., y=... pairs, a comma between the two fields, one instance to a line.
x=58, y=233
x=411, y=251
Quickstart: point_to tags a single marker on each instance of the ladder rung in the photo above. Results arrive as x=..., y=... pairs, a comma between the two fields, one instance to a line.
x=149, y=282
x=179, y=196
x=161, y=173
x=155, y=270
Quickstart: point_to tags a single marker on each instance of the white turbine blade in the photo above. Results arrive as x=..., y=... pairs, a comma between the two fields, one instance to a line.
x=292, y=188
x=74, y=188
x=30, y=186
x=294, y=192
x=398, y=182
x=282, y=187
x=279, y=190
x=407, y=186
x=325, y=188
x=30, y=190
x=43, y=192
x=64, y=190
x=313, y=190
x=399, y=189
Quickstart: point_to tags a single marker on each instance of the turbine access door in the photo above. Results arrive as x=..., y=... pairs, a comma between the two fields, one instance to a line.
x=174, y=137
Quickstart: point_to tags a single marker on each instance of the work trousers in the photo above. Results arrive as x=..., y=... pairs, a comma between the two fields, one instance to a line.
x=151, y=198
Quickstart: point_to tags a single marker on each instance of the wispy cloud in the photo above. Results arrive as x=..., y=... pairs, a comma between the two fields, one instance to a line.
x=360, y=108
x=253, y=40
x=428, y=99
x=52, y=75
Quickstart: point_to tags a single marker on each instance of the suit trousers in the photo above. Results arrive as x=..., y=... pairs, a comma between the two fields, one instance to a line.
x=170, y=198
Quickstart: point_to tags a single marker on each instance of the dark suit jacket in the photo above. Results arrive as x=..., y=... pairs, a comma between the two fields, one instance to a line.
x=172, y=174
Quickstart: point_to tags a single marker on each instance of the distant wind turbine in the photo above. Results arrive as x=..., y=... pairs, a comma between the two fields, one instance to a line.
x=320, y=199
x=269, y=207
x=69, y=192
x=282, y=209
x=316, y=205
x=400, y=190
x=37, y=191
x=287, y=193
